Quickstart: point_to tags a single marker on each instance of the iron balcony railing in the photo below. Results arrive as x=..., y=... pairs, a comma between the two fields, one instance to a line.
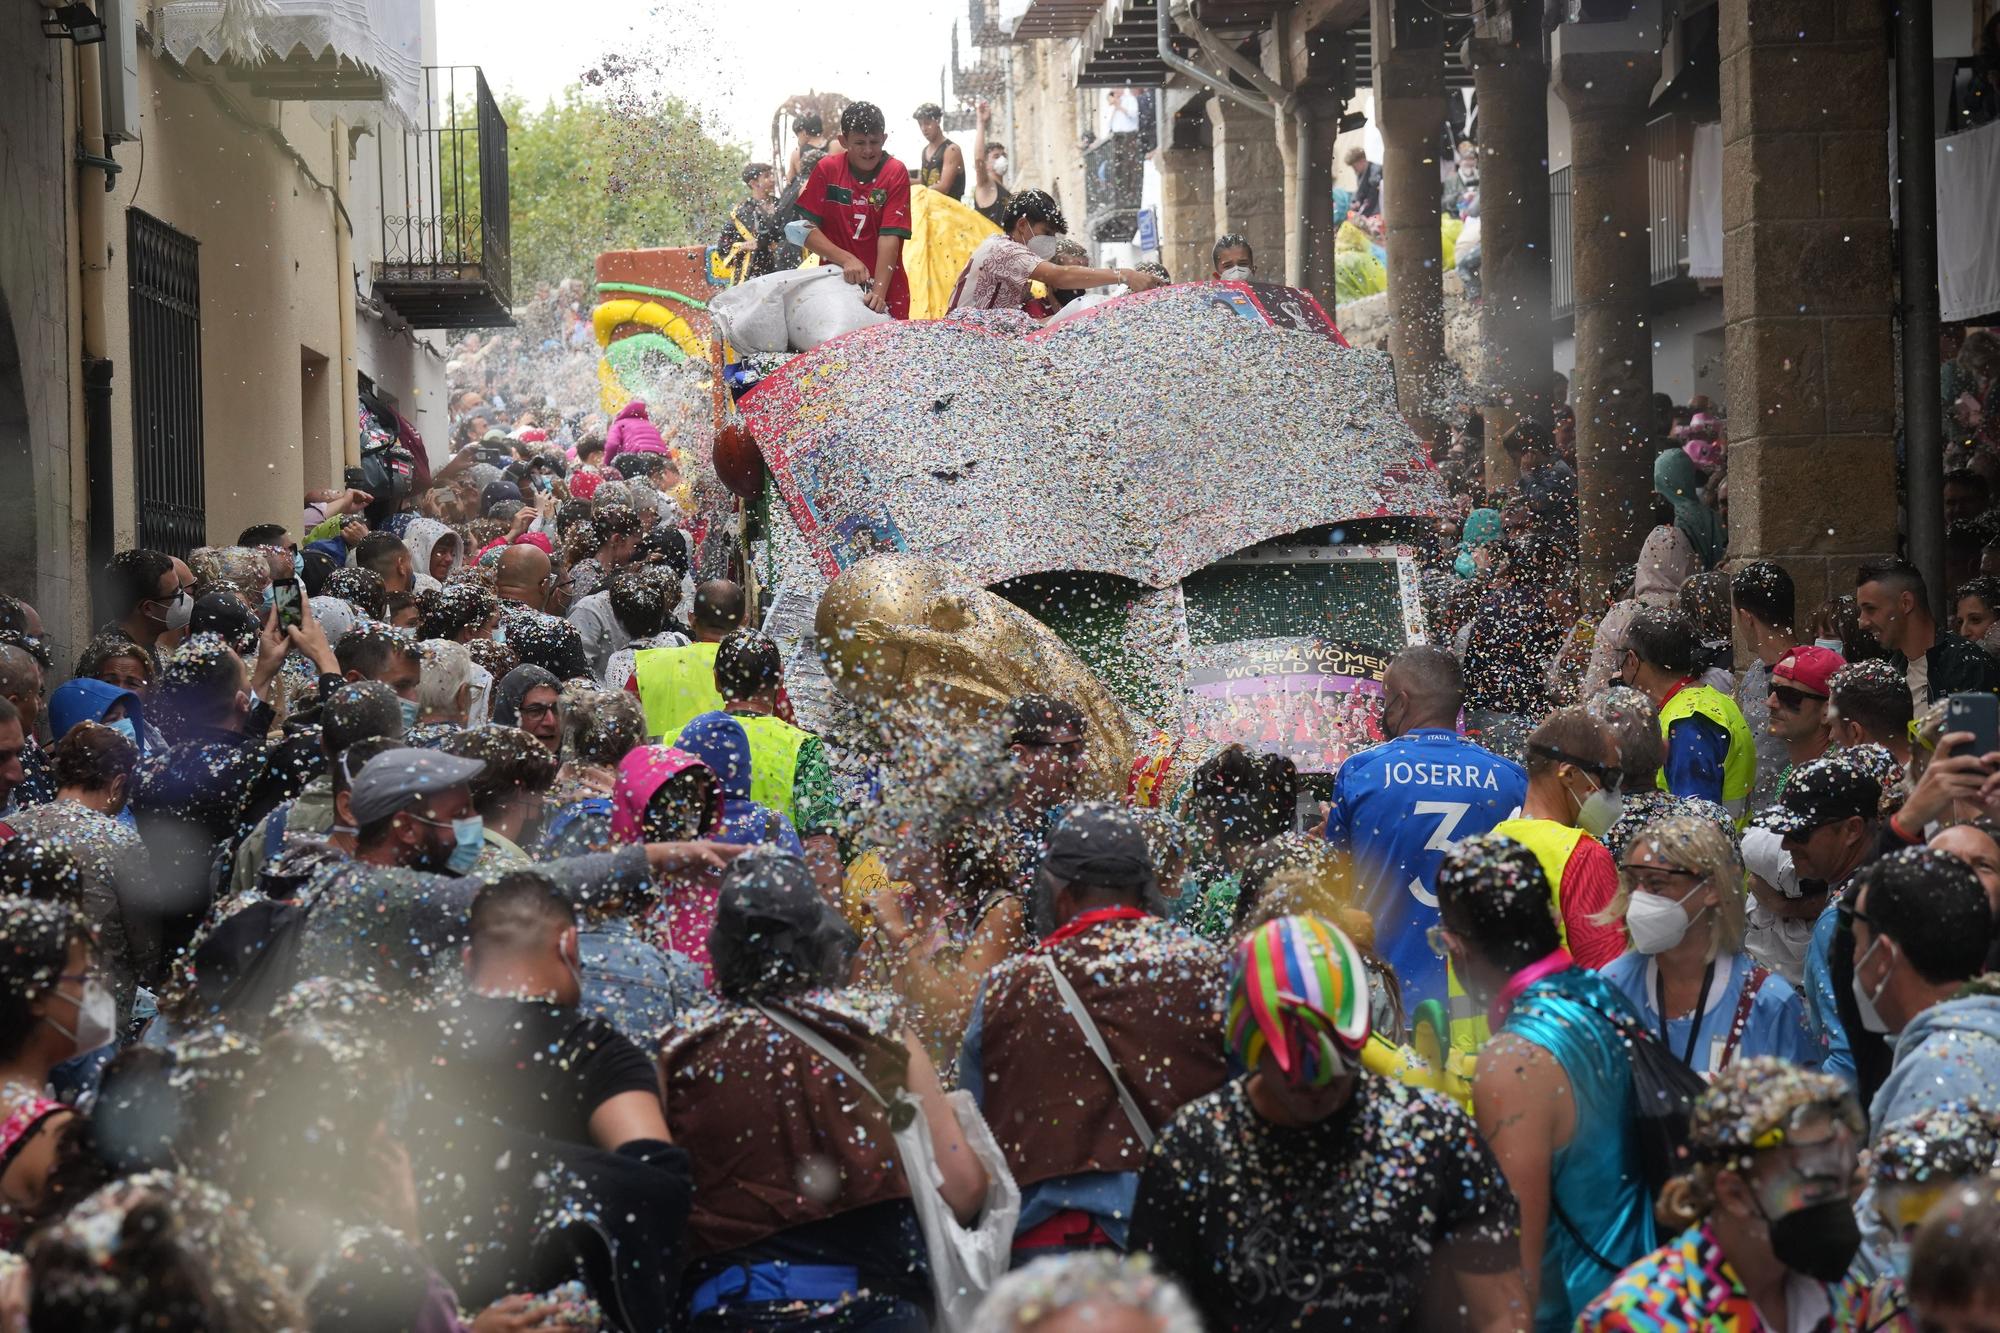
x=1113, y=185
x=446, y=257
x=1562, y=232
x=1669, y=145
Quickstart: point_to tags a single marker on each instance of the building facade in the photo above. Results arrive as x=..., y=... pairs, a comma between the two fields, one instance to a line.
x=199, y=268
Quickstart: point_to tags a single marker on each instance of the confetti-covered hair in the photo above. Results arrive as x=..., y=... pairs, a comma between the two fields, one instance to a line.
x=1298, y=988
x=1744, y=1103
x=1943, y=1143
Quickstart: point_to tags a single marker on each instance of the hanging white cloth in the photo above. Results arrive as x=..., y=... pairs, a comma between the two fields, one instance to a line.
x=1968, y=188
x=1705, y=202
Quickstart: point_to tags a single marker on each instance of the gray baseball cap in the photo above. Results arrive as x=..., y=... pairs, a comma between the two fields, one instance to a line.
x=394, y=778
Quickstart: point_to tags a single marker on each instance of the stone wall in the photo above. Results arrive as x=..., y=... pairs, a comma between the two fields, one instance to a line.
x=41, y=437
x=1249, y=196
x=1807, y=246
x=1187, y=211
x=1044, y=139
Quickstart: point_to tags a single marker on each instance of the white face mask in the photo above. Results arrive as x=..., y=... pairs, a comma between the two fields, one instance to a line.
x=997, y=165
x=1599, y=811
x=1871, y=1018
x=1236, y=273
x=179, y=611
x=1656, y=922
x=1779, y=942
x=96, y=1013
x=1044, y=246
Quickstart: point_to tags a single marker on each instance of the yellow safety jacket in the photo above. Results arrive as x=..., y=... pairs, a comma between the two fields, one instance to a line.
x=774, y=760
x=675, y=686
x=1552, y=844
x=1739, y=766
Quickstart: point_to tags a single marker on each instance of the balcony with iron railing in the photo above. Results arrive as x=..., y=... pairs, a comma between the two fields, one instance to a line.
x=1113, y=185
x=446, y=234
x=1668, y=152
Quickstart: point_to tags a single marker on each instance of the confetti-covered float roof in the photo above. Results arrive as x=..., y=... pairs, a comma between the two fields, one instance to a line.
x=1148, y=436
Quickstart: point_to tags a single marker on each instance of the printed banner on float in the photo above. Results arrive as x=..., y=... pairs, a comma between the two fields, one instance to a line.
x=1312, y=700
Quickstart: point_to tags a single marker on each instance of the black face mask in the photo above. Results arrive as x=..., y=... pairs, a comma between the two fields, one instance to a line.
x=1819, y=1240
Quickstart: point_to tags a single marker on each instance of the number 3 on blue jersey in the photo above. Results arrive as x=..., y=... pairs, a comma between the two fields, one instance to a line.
x=1449, y=814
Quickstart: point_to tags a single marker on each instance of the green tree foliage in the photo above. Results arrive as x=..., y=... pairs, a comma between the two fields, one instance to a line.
x=608, y=168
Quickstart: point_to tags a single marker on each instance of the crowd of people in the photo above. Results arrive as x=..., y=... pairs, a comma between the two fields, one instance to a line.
x=429, y=913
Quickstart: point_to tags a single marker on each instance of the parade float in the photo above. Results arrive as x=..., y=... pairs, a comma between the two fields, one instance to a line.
x=651, y=322
x=1182, y=508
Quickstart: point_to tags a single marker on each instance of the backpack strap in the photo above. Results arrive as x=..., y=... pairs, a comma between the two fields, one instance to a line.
x=1744, y=1003
x=1095, y=1040
x=1590, y=1251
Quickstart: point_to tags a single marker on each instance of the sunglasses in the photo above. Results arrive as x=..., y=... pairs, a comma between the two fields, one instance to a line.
x=1791, y=700
x=1605, y=776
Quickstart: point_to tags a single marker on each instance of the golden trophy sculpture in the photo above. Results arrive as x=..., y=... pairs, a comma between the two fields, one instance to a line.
x=894, y=627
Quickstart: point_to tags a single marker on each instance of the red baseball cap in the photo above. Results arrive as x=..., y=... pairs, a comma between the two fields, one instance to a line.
x=1808, y=669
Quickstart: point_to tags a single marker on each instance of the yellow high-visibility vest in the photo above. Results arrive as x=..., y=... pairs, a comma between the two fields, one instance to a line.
x=675, y=685
x=1553, y=844
x=1739, y=766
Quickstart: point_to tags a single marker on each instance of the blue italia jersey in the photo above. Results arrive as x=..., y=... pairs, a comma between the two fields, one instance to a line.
x=1399, y=807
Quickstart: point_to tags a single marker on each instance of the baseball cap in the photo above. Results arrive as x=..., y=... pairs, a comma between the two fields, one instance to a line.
x=1764, y=856
x=1809, y=669
x=497, y=492
x=395, y=778
x=1821, y=793
x=1100, y=843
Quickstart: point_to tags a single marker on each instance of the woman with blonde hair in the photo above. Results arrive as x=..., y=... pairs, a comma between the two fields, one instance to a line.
x=1681, y=895
x=1770, y=1228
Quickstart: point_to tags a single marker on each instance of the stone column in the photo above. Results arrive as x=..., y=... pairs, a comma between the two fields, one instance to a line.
x=1409, y=110
x=1807, y=305
x=1323, y=119
x=1611, y=388
x=1511, y=82
x=1249, y=186
x=1187, y=210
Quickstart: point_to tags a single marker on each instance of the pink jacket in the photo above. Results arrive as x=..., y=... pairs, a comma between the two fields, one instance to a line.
x=684, y=917
x=632, y=432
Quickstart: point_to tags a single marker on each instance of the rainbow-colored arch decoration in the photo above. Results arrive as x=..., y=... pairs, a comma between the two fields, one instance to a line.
x=652, y=307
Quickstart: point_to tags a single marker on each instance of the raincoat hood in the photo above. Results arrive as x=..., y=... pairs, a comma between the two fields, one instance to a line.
x=641, y=774
x=335, y=617
x=720, y=742
x=1949, y=1052
x=1481, y=526
x=87, y=700
x=422, y=537
x=1677, y=481
x=1666, y=561
x=514, y=687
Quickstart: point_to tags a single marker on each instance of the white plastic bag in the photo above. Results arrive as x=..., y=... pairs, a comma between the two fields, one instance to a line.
x=751, y=315
x=825, y=306
x=965, y=1261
